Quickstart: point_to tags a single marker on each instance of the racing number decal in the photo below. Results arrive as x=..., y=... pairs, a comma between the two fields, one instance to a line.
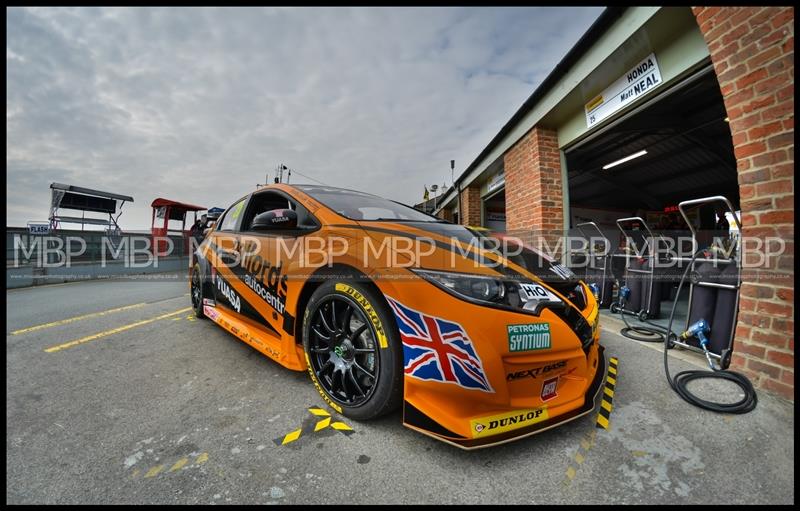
x=370, y=310
x=237, y=210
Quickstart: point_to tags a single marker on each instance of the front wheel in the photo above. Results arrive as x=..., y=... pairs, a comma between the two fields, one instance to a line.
x=196, y=292
x=353, y=350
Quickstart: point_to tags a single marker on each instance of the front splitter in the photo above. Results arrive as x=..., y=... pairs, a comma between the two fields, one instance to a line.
x=416, y=420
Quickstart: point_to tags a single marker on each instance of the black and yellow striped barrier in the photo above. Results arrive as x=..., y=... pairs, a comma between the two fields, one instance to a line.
x=320, y=419
x=608, y=394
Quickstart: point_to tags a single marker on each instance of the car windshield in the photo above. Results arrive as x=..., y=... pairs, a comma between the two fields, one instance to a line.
x=364, y=206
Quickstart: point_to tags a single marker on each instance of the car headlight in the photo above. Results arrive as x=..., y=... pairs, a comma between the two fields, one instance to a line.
x=520, y=296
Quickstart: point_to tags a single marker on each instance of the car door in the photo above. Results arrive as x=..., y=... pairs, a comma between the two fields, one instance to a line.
x=266, y=258
x=225, y=243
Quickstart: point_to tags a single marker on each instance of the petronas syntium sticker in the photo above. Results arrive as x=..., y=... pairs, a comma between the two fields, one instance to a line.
x=528, y=337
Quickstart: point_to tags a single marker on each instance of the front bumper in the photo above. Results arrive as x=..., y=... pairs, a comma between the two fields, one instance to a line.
x=418, y=421
x=528, y=387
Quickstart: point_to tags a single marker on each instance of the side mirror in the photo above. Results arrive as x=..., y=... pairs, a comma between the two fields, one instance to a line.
x=276, y=219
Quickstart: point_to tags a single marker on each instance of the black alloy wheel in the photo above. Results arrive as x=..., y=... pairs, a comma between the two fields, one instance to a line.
x=343, y=350
x=197, y=292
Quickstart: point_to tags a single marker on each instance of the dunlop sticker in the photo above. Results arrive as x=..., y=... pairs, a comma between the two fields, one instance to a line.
x=319, y=389
x=495, y=424
x=370, y=310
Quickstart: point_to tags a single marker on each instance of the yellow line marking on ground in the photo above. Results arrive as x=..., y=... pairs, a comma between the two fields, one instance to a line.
x=612, y=371
x=111, y=332
x=319, y=412
x=135, y=473
x=202, y=458
x=154, y=471
x=606, y=405
x=579, y=458
x=341, y=426
x=612, y=381
x=570, y=473
x=602, y=421
x=324, y=423
x=291, y=437
x=76, y=318
x=179, y=464
x=608, y=392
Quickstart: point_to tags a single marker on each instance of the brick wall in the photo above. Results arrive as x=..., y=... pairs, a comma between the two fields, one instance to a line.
x=534, y=197
x=752, y=49
x=471, y=202
x=445, y=214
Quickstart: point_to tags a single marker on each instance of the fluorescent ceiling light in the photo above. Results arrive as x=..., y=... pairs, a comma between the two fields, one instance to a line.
x=623, y=160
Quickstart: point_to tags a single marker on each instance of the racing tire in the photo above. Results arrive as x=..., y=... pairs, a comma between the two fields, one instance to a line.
x=353, y=350
x=196, y=292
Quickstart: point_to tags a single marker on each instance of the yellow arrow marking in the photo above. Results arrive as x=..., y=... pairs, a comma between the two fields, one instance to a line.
x=111, y=332
x=570, y=473
x=179, y=464
x=202, y=458
x=291, y=437
x=154, y=471
x=319, y=412
x=341, y=426
x=76, y=318
x=324, y=423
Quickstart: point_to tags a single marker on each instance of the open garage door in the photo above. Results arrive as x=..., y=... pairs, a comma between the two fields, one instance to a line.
x=674, y=147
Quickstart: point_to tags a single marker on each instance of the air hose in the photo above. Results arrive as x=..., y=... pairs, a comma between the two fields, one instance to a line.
x=650, y=333
x=681, y=380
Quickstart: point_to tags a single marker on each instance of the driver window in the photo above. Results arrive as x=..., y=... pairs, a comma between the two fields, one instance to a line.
x=231, y=217
x=267, y=201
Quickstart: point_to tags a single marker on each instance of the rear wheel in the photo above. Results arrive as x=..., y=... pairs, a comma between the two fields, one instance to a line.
x=197, y=292
x=353, y=350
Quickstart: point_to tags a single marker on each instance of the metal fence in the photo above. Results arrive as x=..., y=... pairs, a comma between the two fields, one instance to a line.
x=25, y=249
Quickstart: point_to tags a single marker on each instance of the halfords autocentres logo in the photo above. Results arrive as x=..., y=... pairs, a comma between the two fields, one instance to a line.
x=496, y=424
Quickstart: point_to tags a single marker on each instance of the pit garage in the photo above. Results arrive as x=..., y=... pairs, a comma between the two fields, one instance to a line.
x=628, y=178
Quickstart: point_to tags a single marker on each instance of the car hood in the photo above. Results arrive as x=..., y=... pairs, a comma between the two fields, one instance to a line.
x=519, y=260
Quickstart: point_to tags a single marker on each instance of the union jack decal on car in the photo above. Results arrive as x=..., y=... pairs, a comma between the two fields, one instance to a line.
x=435, y=349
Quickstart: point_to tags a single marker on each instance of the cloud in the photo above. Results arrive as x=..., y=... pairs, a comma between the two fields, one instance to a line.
x=198, y=104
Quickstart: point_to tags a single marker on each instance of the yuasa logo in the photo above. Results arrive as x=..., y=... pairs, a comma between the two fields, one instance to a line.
x=230, y=294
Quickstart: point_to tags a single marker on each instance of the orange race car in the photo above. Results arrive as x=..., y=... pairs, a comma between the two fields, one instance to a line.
x=384, y=306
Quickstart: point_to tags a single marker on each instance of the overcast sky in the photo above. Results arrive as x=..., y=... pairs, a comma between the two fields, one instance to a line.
x=197, y=104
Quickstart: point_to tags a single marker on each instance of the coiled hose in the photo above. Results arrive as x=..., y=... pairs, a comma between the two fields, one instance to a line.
x=681, y=380
x=651, y=333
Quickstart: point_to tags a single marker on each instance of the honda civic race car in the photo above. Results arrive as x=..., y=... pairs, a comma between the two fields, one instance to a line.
x=479, y=338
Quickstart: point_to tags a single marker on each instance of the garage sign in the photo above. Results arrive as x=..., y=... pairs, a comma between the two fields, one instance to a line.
x=639, y=81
